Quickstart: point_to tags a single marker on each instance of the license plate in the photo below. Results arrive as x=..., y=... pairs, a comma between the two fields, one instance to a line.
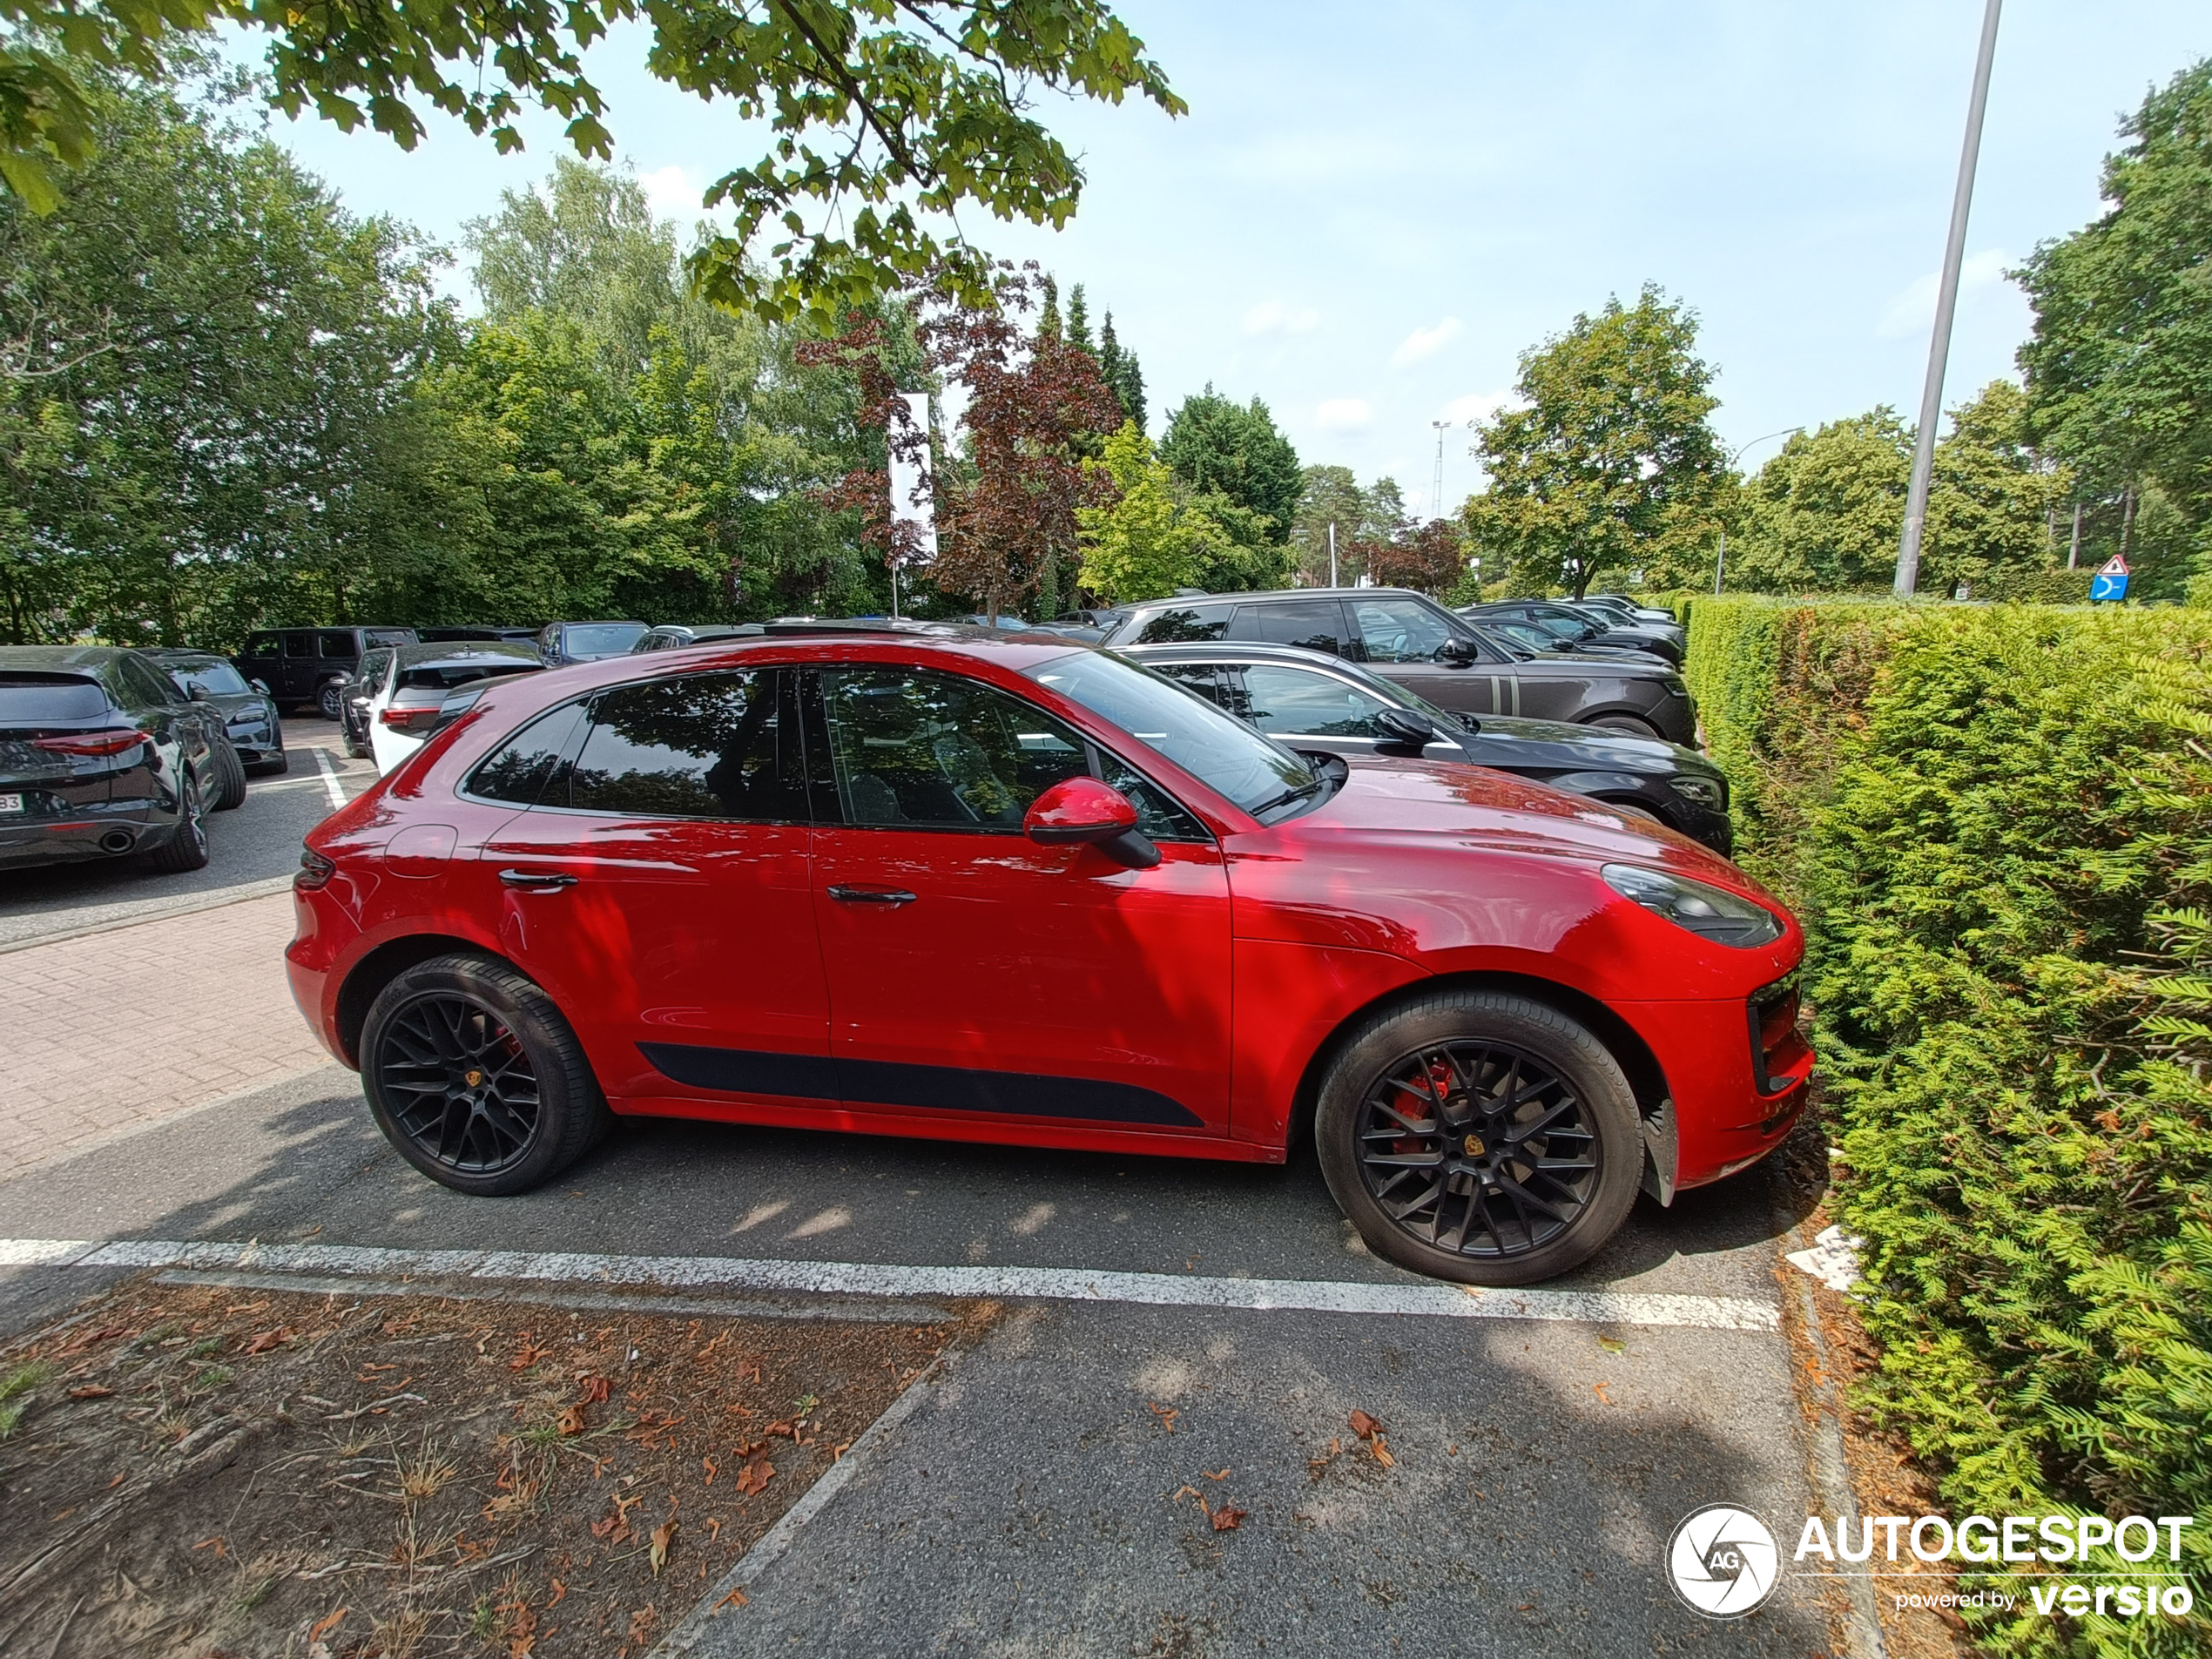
x=10, y=803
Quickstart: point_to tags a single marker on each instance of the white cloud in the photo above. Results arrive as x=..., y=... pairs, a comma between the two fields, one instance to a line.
x=1343, y=415
x=1913, y=312
x=1476, y=407
x=1274, y=317
x=673, y=192
x=1427, y=342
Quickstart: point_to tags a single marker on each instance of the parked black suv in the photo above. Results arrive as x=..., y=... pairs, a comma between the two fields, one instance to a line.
x=1584, y=628
x=308, y=666
x=1454, y=663
x=1310, y=702
x=101, y=755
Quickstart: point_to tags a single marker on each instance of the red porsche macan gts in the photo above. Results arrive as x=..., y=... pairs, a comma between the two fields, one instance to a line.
x=937, y=881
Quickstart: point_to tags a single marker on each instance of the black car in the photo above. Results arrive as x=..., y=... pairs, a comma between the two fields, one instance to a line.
x=249, y=712
x=352, y=699
x=1578, y=630
x=672, y=636
x=1308, y=701
x=446, y=636
x=1628, y=610
x=585, y=642
x=1409, y=638
x=102, y=756
x=304, y=666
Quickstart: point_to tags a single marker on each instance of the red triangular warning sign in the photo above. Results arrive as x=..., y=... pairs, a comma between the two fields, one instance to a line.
x=2114, y=566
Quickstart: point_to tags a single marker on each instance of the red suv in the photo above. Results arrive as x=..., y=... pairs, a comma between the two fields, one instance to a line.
x=939, y=881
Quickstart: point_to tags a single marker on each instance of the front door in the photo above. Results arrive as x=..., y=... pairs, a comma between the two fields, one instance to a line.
x=658, y=885
x=1404, y=640
x=977, y=975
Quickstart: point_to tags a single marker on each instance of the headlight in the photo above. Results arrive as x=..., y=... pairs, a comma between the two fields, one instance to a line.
x=1707, y=911
x=1706, y=791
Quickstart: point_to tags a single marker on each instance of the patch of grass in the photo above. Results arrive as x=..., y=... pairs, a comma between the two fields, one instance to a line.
x=211, y=1377
x=258, y=1593
x=15, y=1391
x=484, y=1620
x=399, y=1637
x=425, y=1473
x=205, y=1348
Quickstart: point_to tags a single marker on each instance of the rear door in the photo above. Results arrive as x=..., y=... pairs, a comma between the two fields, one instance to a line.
x=1315, y=624
x=976, y=975
x=658, y=884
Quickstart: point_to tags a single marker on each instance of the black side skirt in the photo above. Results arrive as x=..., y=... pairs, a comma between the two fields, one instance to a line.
x=943, y=1088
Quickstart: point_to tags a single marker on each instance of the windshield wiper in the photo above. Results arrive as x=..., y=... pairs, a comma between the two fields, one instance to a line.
x=1298, y=792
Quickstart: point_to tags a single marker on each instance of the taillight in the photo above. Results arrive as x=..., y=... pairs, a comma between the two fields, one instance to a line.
x=409, y=719
x=315, y=871
x=112, y=741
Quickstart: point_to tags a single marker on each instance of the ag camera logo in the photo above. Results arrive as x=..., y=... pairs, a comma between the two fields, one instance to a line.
x=1724, y=1561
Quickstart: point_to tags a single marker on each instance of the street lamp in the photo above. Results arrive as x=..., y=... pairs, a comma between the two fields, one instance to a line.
x=1720, y=560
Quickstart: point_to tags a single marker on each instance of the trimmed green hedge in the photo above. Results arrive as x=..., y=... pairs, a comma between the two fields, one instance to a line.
x=1997, y=822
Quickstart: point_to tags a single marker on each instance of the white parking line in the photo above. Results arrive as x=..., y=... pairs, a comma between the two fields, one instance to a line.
x=879, y=1280
x=330, y=783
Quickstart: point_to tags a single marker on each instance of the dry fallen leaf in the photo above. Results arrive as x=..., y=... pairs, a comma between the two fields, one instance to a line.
x=323, y=1626
x=1227, y=1520
x=594, y=1391
x=755, y=1475
x=570, y=1421
x=1185, y=1492
x=663, y=1535
x=90, y=1391
x=1167, y=1414
x=263, y=1341
x=1212, y=1474
x=735, y=1598
x=1613, y=1345
x=559, y=1590
x=1382, y=1453
x=1599, y=1390
x=1363, y=1425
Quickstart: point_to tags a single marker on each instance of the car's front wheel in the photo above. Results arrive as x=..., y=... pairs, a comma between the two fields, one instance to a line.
x=475, y=1077
x=1480, y=1137
x=328, y=699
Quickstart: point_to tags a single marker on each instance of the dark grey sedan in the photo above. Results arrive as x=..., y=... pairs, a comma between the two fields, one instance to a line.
x=1309, y=701
x=249, y=711
x=1412, y=641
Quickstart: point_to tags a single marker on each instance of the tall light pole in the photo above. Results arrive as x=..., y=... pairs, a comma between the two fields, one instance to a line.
x=1436, y=491
x=1720, y=560
x=1954, y=252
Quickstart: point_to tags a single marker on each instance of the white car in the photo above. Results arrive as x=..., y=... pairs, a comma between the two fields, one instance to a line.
x=406, y=700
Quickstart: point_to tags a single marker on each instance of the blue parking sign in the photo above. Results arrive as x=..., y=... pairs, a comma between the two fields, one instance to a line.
x=2110, y=581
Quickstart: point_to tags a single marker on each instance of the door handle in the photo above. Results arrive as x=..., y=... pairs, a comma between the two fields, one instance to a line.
x=534, y=879
x=894, y=896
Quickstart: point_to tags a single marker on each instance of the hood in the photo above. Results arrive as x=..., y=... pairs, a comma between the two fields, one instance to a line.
x=1476, y=806
x=1640, y=663
x=1558, y=742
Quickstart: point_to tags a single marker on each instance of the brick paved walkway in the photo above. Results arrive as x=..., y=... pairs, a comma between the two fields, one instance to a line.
x=99, y=1035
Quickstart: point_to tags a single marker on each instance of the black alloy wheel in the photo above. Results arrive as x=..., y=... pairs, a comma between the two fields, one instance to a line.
x=1478, y=1148
x=329, y=699
x=1479, y=1135
x=476, y=1078
x=459, y=1085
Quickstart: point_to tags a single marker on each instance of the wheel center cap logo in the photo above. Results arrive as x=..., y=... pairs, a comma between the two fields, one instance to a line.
x=1724, y=1561
x=1475, y=1148
x=474, y=1078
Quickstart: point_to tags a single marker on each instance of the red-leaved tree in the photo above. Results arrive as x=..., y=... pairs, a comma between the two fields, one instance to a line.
x=1430, y=559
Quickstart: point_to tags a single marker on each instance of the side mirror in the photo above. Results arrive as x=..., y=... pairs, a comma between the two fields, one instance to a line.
x=1082, y=811
x=196, y=693
x=261, y=686
x=1459, y=649
x=1407, y=727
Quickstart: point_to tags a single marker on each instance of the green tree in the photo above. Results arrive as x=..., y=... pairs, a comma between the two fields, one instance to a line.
x=1117, y=364
x=1608, y=461
x=1152, y=539
x=883, y=114
x=1235, y=449
x=2119, y=365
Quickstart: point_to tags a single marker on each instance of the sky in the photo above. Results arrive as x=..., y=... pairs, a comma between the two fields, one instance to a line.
x=1370, y=211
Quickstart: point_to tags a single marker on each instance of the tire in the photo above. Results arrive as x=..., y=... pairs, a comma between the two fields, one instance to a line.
x=1629, y=809
x=187, y=848
x=230, y=779
x=327, y=696
x=1627, y=723
x=356, y=748
x=1480, y=1043
x=534, y=1106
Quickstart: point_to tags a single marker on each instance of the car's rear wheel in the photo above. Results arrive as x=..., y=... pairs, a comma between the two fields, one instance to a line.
x=476, y=1079
x=230, y=780
x=1480, y=1137
x=186, y=847
x=328, y=699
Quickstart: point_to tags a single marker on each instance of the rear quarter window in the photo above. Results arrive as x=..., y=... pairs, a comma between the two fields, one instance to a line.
x=41, y=700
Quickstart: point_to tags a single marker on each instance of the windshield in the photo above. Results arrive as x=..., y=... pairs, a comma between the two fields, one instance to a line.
x=1221, y=750
x=601, y=638
x=219, y=679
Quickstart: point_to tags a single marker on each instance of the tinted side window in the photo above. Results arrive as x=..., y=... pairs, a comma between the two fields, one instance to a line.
x=338, y=644
x=1217, y=685
x=263, y=645
x=527, y=768
x=706, y=746
x=372, y=669
x=923, y=751
x=1399, y=630
x=1293, y=701
x=1181, y=625
x=1313, y=624
x=300, y=645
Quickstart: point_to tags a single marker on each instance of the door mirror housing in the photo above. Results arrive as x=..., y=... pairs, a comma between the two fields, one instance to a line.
x=1460, y=648
x=196, y=693
x=1405, y=727
x=261, y=686
x=1084, y=812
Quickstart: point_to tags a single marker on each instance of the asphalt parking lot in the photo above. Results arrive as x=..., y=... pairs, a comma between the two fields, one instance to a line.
x=1040, y=1494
